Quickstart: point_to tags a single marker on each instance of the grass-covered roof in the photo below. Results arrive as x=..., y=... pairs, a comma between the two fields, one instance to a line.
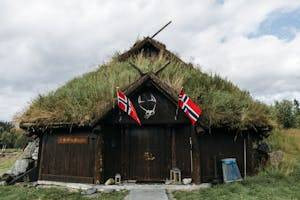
x=86, y=98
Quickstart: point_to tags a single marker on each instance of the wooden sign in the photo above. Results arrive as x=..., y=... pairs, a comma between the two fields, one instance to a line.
x=72, y=140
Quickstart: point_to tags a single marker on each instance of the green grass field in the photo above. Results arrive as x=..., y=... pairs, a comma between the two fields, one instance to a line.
x=270, y=185
x=7, y=161
x=280, y=183
x=26, y=193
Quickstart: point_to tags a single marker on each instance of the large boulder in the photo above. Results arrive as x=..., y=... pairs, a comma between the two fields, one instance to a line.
x=26, y=162
x=110, y=181
x=31, y=150
x=186, y=181
x=21, y=166
x=276, y=158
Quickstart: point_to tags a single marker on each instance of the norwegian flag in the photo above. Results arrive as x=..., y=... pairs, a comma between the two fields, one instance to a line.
x=125, y=104
x=192, y=110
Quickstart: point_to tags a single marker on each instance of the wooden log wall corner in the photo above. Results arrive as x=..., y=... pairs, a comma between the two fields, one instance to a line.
x=250, y=156
x=196, y=175
x=42, y=147
x=99, y=158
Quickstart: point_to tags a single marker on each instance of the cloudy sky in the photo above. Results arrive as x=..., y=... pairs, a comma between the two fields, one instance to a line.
x=256, y=43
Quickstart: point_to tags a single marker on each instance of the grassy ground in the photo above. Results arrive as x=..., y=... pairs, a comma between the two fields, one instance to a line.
x=25, y=193
x=282, y=182
x=8, y=160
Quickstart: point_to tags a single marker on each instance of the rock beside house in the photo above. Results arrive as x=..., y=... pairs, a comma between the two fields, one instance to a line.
x=276, y=158
x=27, y=161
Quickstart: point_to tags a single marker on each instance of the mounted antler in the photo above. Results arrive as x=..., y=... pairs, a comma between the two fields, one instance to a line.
x=148, y=112
x=136, y=68
x=162, y=68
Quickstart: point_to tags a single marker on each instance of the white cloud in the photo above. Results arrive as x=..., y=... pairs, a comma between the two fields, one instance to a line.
x=45, y=43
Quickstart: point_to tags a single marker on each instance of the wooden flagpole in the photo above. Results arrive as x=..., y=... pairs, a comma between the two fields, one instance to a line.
x=120, y=115
x=191, y=153
x=177, y=108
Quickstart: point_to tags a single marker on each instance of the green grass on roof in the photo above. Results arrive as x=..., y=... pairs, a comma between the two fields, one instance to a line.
x=86, y=97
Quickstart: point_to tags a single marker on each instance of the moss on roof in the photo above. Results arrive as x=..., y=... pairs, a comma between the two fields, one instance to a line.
x=86, y=98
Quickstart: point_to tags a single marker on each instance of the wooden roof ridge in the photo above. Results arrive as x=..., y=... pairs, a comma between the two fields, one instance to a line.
x=139, y=44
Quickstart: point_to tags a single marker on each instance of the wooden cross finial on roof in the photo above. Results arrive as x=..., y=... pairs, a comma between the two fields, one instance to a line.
x=156, y=73
x=137, y=69
x=162, y=68
x=157, y=32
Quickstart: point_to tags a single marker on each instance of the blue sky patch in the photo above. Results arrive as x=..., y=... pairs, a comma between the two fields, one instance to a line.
x=220, y=1
x=282, y=24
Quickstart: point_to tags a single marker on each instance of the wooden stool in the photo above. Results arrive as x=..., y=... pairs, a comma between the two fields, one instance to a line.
x=175, y=175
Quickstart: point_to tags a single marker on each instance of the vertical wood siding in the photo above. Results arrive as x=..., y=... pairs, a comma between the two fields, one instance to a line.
x=216, y=146
x=68, y=162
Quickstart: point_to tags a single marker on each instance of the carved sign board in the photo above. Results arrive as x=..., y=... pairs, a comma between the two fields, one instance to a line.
x=72, y=140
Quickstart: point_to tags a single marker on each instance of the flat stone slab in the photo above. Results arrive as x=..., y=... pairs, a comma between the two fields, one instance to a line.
x=147, y=194
x=127, y=186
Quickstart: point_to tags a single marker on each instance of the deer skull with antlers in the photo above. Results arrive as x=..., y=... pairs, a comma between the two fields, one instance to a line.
x=150, y=109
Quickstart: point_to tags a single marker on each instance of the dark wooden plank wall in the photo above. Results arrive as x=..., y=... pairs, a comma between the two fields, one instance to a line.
x=124, y=148
x=68, y=162
x=216, y=146
x=182, y=155
x=112, y=151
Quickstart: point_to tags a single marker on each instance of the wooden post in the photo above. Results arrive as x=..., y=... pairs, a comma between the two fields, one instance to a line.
x=196, y=157
x=125, y=146
x=99, y=167
x=245, y=157
x=173, y=149
x=250, y=160
x=191, y=153
x=40, y=155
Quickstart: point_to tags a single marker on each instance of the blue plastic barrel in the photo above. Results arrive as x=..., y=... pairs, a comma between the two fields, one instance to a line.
x=230, y=170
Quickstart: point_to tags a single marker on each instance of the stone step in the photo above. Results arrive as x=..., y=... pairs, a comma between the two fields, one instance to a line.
x=147, y=194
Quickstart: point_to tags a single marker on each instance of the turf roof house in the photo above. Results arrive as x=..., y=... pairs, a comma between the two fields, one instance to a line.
x=85, y=138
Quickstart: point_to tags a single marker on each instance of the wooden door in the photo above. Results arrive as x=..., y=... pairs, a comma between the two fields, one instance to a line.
x=149, y=149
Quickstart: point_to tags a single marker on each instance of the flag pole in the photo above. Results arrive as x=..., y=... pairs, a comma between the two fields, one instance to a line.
x=120, y=115
x=177, y=107
x=191, y=154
